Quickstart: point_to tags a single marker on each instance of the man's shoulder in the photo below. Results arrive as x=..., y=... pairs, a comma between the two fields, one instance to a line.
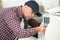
x=10, y=12
x=9, y=9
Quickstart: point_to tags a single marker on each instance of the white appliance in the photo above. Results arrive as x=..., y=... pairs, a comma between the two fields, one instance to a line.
x=53, y=28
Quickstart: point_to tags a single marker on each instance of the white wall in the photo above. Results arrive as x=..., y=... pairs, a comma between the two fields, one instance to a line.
x=9, y=3
x=48, y=3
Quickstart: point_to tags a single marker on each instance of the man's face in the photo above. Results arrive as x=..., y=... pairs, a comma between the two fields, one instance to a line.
x=27, y=11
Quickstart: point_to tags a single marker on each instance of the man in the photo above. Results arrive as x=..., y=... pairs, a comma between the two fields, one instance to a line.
x=10, y=20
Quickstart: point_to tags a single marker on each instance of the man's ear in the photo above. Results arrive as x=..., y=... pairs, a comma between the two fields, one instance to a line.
x=23, y=8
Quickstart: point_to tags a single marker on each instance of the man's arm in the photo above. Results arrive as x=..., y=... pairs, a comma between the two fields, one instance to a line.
x=13, y=23
x=33, y=23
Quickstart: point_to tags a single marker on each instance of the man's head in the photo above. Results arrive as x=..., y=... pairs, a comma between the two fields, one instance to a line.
x=30, y=9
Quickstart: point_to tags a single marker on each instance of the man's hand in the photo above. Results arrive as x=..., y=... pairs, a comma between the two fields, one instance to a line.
x=41, y=28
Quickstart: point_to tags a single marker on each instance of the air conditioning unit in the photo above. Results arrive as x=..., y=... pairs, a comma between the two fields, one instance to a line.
x=53, y=29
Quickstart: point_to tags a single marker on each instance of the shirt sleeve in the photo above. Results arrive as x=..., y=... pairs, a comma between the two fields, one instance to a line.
x=13, y=23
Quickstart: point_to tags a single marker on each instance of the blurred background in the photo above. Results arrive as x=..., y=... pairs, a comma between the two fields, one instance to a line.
x=43, y=5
